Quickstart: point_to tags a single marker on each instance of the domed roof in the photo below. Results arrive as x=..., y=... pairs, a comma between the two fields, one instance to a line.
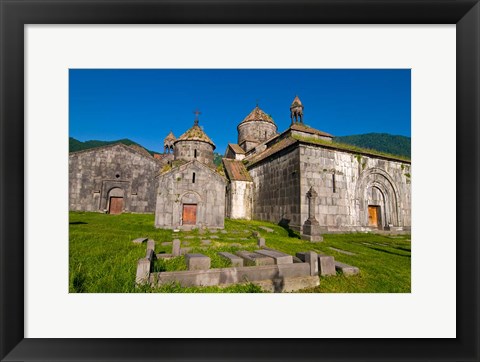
x=170, y=137
x=258, y=115
x=195, y=134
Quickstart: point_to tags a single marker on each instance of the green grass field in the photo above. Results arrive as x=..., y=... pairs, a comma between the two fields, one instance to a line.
x=103, y=258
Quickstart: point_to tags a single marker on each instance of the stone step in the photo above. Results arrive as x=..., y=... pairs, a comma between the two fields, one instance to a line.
x=254, y=259
x=234, y=259
x=278, y=256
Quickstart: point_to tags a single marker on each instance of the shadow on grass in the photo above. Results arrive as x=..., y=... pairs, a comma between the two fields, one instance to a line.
x=389, y=252
x=78, y=223
x=284, y=223
x=403, y=249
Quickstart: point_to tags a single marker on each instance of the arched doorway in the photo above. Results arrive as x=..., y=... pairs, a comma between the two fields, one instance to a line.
x=377, y=200
x=190, y=208
x=115, y=201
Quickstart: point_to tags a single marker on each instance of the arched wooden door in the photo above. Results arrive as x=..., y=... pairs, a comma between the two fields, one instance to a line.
x=115, y=201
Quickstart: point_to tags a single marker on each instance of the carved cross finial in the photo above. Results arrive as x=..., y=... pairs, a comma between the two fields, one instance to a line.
x=196, y=113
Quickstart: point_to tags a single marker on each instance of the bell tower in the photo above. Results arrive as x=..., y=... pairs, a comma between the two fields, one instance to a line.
x=296, y=111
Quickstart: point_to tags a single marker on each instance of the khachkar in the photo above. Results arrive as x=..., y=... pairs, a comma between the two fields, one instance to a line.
x=311, y=227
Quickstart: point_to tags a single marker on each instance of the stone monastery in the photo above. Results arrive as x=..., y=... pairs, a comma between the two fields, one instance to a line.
x=298, y=178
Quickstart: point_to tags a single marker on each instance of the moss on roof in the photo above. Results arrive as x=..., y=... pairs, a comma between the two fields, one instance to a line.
x=257, y=115
x=195, y=134
x=351, y=148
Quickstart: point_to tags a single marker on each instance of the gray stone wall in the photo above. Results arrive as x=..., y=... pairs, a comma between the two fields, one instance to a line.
x=256, y=132
x=239, y=200
x=176, y=188
x=348, y=183
x=116, y=170
x=194, y=150
x=277, y=189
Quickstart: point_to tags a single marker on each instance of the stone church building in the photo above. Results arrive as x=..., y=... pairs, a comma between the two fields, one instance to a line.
x=300, y=178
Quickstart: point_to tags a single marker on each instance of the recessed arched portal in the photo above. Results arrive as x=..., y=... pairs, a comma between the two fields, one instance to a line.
x=377, y=200
x=190, y=208
x=115, y=201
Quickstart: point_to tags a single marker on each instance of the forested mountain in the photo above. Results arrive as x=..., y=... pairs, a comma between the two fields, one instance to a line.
x=76, y=145
x=383, y=142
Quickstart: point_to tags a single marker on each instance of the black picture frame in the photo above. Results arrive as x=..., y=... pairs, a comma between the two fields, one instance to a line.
x=15, y=14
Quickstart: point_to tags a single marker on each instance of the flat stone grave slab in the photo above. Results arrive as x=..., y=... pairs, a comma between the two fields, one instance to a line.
x=213, y=237
x=268, y=230
x=139, y=240
x=166, y=243
x=184, y=251
x=234, y=259
x=213, y=231
x=254, y=259
x=346, y=269
x=189, y=237
x=224, y=231
x=342, y=251
x=206, y=242
x=278, y=256
x=150, y=244
x=197, y=262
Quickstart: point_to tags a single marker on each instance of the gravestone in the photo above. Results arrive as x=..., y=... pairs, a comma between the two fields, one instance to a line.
x=139, y=240
x=234, y=259
x=346, y=269
x=311, y=258
x=150, y=244
x=197, y=262
x=279, y=257
x=254, y=259
x=176, y=247
x=261, y=242
x=326, y=265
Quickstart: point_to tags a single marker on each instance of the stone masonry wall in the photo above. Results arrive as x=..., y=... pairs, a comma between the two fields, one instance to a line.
x=185, y=150
x=176, y=188
x=239, y=200
x=277, y=189
x=347, y=183
x=257, y=131
x=94, y=173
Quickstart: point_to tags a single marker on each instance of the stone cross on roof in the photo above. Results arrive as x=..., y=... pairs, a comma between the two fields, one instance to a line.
x=196, y=113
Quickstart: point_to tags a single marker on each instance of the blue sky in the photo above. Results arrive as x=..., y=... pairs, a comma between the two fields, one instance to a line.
x=145, y=104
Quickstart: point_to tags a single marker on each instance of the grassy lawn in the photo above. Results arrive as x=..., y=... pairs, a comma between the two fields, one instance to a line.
x=103, y=258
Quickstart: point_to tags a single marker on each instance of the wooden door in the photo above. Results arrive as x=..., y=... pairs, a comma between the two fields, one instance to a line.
x=189, y=214
x=116, y=205
x=373, y=216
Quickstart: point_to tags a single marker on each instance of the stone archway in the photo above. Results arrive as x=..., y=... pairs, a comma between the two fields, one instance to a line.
x=115, y=201
x=191, y=208
x=377, y=200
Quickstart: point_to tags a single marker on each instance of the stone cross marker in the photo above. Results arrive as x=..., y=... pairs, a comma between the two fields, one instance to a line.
x=311, y=227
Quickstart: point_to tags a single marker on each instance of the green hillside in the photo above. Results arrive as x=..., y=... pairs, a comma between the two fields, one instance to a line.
x=383, y=142
x=76, y=145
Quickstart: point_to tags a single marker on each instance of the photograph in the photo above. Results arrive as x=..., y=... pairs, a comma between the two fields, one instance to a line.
x=239, y=180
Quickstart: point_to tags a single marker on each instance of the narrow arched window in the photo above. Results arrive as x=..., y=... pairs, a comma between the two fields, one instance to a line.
x=195, y=153
x=193, y=178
